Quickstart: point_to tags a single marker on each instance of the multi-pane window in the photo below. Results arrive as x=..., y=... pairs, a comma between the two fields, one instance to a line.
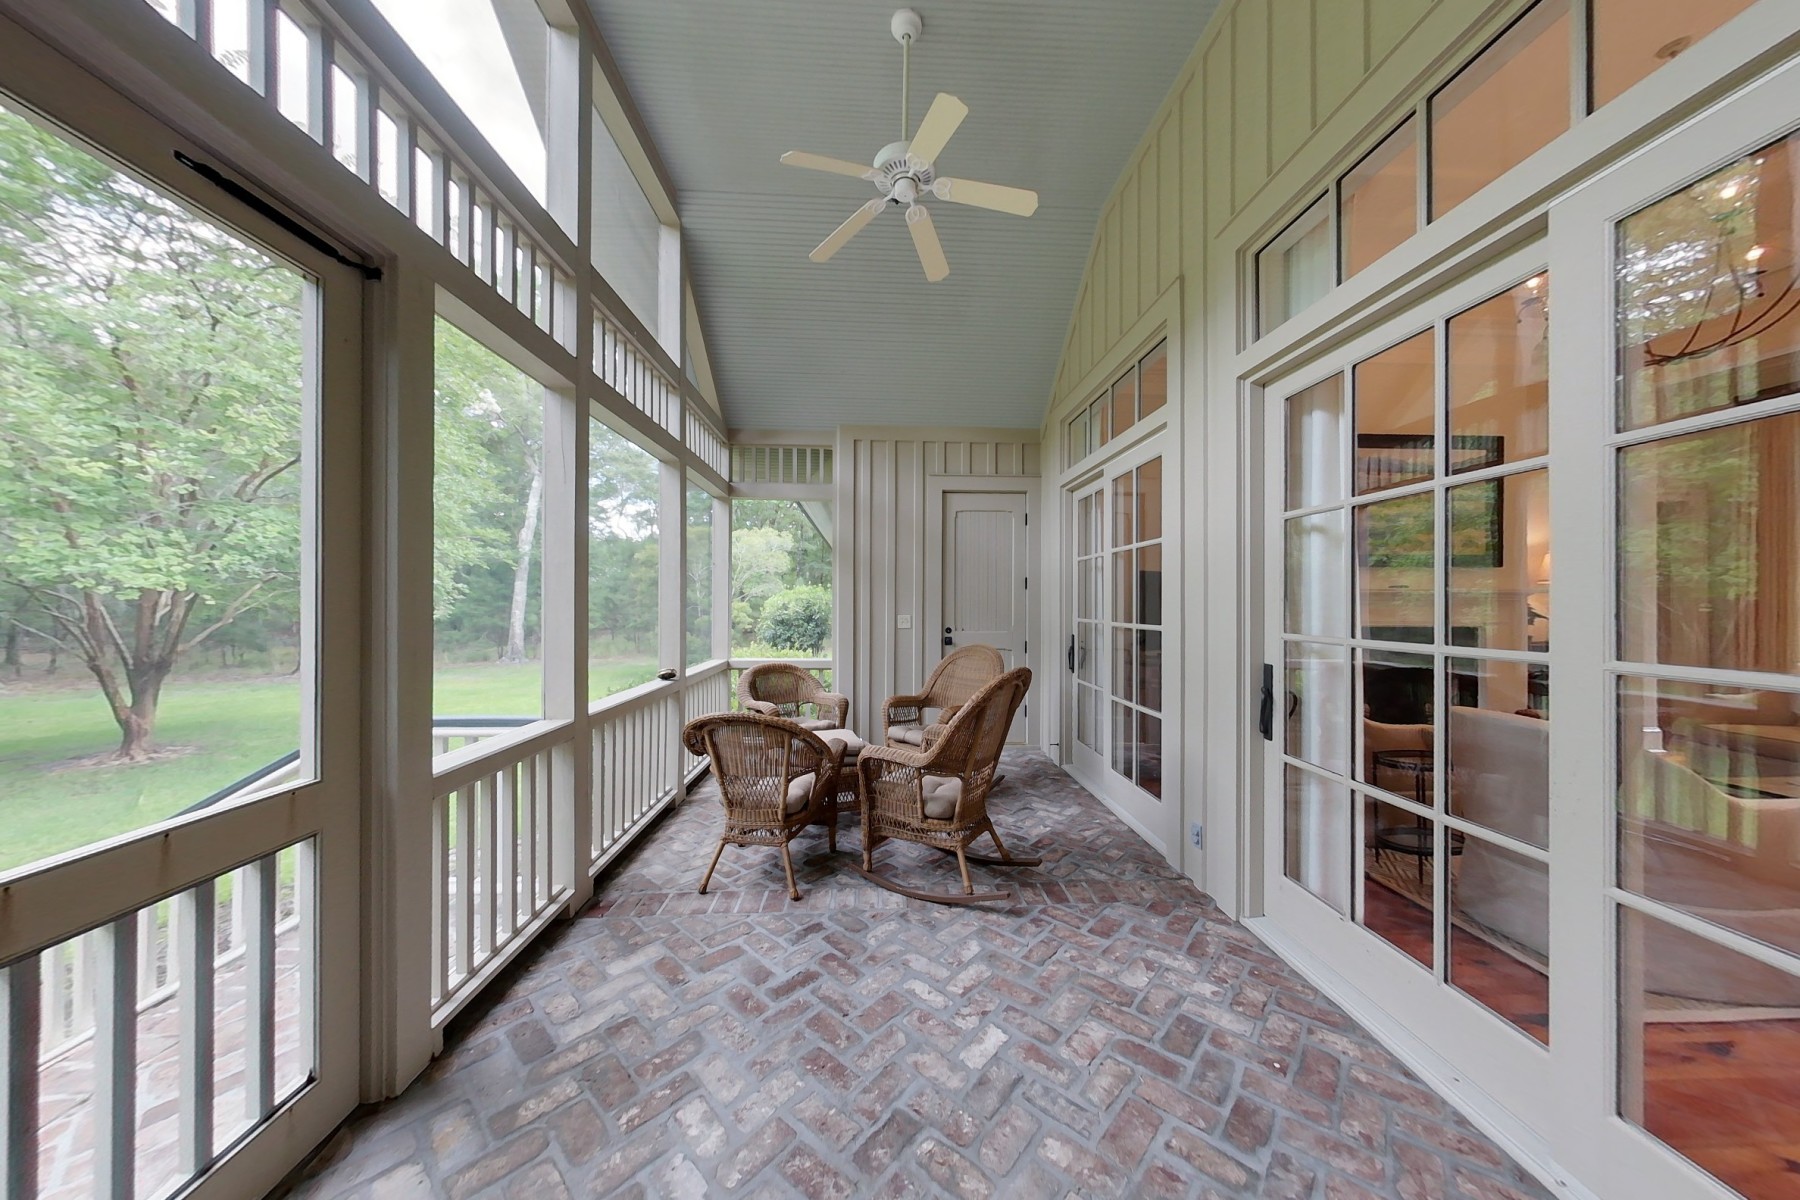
x=1513, y=98
x=1143, y=389
x=1416, y=617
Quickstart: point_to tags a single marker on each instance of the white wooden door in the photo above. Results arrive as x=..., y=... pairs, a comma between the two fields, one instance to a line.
x=179, y=984
x=985, y=580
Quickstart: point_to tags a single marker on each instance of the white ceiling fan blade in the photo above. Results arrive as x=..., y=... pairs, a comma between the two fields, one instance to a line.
x=847, y=230
x=941, y=120
x=821, y=162
x=925, y=241
x=1021, y=202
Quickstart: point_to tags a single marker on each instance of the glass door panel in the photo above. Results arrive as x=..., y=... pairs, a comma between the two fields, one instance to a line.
x=1707, y=695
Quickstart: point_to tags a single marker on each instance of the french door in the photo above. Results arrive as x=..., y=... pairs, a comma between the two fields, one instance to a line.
x=180, y=936
x=1576, y=464
x=1116, y=649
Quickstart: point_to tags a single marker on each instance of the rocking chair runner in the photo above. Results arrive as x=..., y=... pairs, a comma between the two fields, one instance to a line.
x=775, y=779
x=962, y=673
x=782, y=690
x=938, y=797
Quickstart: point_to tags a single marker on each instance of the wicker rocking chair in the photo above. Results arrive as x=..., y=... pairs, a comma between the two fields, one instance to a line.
x=781, y=690
x=963, y=672
x=938, y=796
x=775, y=779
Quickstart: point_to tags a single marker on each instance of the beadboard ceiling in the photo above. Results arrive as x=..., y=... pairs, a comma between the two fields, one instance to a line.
x=1059, y=94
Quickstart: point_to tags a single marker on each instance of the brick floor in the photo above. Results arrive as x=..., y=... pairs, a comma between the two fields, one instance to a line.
x=1109, y=1034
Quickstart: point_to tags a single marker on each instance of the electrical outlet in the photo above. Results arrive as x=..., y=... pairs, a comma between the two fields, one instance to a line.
x=1197, y=835
x=903, y=622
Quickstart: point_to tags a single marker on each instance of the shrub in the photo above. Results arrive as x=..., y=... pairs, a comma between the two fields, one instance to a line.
x=797, y=619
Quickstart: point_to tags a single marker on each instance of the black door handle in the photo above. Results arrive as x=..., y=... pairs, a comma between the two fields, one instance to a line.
x=946, y=635
x=1071, y=652
x=1265, y=720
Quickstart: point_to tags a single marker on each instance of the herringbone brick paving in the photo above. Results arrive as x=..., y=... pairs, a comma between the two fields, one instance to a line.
x=1109, y=1034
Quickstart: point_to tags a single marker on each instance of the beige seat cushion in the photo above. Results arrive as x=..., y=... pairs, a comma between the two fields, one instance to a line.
x=912, y=734
x=851, y=744
x=814, y=723
x=799, y=792
x=941, y=796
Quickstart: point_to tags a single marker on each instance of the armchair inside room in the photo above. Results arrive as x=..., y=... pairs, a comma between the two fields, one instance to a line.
x=784, y=690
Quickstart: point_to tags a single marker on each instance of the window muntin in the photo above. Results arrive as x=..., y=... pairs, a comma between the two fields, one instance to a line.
x=1507, y=104
x=1143, y=389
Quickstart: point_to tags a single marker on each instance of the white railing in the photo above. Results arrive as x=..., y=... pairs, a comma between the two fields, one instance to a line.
x=494, y=854
x=636, y=744
x=706, y=443
x=781, y=464
x=623, y=366
x=291, y=59
x=214, y=986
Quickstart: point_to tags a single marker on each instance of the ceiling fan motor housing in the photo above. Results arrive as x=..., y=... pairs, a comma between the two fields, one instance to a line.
x=900, y=177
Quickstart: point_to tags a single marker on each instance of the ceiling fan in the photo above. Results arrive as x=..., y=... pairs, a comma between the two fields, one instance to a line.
x=904, y=171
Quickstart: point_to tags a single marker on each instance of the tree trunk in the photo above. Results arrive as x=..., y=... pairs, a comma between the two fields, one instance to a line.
x=515, y=623
x=137, y=720
x=12, y=651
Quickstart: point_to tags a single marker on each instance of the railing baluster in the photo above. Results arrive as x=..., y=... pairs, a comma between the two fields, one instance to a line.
x=463, y=927
x=20, y=1016
x=440, y=895
x=487, y=918
x=259, y=879
x=195, y=914
x=306, y=947
x=115, y=1059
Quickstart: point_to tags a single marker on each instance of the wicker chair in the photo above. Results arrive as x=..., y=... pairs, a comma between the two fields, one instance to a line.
x=775, y=779
x=783, y=690
x=962, y=673
x=938, y=797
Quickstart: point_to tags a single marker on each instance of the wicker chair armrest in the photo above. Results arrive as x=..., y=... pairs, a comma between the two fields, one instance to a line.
x=838, y=702
x=764, y=707
x=933, y=733
x=901, y=710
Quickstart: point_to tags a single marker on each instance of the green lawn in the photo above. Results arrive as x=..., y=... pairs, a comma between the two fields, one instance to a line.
x=54, y=796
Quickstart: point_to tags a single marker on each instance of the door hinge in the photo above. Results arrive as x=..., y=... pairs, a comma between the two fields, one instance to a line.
x=1028, y=583
x=1028, y=645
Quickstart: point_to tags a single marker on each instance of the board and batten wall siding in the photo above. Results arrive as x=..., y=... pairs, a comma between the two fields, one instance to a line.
x=1258, y=121
x=884, y=482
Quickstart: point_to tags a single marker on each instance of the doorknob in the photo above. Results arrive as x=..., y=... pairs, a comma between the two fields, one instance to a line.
x=1071, y=652
x=947, y=635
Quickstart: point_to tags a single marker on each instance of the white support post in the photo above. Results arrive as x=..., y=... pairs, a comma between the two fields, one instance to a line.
x=194, y=958
x=397, y=900
x=19, y=1031
x=115, y=1058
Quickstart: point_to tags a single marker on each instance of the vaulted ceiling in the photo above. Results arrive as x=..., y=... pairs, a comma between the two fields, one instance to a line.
x=1059, y=94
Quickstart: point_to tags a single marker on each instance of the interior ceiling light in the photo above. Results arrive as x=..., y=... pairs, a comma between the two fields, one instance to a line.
x=905, y=171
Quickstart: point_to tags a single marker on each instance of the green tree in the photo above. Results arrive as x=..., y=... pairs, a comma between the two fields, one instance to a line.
x=150, y=372
x=797, y=619
x=762, y=563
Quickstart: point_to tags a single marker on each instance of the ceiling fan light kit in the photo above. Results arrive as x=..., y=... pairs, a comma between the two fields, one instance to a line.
x=905, y=171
